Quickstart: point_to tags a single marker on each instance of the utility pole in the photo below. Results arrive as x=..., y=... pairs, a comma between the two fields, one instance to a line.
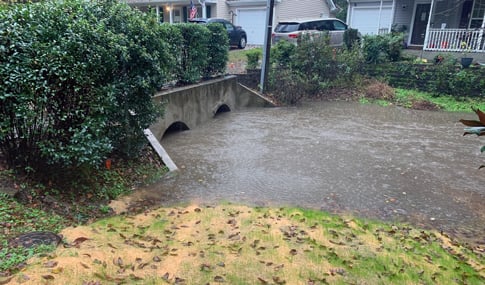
x=267, y=45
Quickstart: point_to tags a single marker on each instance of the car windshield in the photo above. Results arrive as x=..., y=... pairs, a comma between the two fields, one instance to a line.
x=287, y=27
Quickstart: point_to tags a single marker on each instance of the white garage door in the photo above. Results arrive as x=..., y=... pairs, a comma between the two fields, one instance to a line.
x=366, y=20
x=252, y=21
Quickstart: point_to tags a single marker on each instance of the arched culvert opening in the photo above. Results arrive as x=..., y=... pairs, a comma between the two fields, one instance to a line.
x=175, y=128
x=222, y=109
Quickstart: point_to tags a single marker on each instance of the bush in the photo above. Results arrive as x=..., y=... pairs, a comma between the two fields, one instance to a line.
x=351, y=38
x=311, y=67
x=173, y=38
x=77, y=80
x=218, y=46
x=282, y=53
x=378, y=48
x=194, y=52
x=253, y=56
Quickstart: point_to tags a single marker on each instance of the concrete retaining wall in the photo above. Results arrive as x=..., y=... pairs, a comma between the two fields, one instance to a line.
x=196, y=104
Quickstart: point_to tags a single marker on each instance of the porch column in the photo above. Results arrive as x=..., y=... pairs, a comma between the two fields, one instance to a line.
x=480, y=36
x=393, y=11
x=204, y=9
x=158, y=14
x=170, y=12
x=425, y=46
x=379, y=21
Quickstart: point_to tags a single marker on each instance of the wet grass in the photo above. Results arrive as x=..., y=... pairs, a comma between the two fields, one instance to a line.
x=445, y=102
x=15, y=219
x=426, y=101
x=235, y=244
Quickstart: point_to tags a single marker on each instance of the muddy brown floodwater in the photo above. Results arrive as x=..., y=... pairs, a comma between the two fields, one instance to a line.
x=387, y=163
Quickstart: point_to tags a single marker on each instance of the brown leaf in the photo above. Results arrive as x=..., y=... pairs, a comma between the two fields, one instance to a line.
x=112, y=246
x=165, y=276
x=293, y=252
x=84, y=265
x=278, y=280
x=48, y=277
x=50, y=264
x=118, y=262
x=262, y=281
x=78, y=241
x=156, y=259
x=219, y=279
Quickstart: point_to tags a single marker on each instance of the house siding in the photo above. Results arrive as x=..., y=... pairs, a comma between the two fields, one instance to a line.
x=294, y=9
x=222, y=10
x=404, y=13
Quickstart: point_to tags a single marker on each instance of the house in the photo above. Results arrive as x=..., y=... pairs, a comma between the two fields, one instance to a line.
x=249, y=14
x=433, y=25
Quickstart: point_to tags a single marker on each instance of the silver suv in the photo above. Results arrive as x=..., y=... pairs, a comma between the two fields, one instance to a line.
x=292, y=31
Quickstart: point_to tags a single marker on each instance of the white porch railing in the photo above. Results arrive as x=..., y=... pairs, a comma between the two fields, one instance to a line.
x=455, y=40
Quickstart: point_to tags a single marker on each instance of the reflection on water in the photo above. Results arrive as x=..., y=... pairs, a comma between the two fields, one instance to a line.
x=387, y=163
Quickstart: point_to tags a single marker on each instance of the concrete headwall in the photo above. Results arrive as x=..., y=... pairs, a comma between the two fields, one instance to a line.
x=198, y=103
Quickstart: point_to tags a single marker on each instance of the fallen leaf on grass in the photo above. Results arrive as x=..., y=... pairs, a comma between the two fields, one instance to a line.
x=50, y=264
x=77, y=242
x=165, y=276
x=84, y=265
x=118, y=262
x=48, y=277
x=278, y=280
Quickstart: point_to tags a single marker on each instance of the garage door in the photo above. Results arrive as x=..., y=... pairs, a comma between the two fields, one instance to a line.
x=366, y=20
x=252, y=21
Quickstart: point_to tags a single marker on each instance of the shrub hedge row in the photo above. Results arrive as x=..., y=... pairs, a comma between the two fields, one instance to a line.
x=78, y=76
x=448, y=79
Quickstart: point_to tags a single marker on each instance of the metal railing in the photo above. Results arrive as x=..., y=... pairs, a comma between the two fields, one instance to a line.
x=461, y=40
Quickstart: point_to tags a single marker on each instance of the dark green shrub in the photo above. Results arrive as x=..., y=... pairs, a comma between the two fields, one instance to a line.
x=351, y=38
x=394, y=45
x=77, y=80
x=194, y=51
x=286, y=85
x=315, y=59
x=253, y=56
x=312, y=66
x=382, y=48
x=374, y=49
x=143, y=66
x=172, y=36
x=218, y=46
x=282, y=53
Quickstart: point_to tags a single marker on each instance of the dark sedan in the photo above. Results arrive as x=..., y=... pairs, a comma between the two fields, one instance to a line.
x=237, y=36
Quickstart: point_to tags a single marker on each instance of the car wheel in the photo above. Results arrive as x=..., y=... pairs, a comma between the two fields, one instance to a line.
x=242, y=43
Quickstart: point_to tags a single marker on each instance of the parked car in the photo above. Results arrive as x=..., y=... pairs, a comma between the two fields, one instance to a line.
x=237, y=36
x=292, y=31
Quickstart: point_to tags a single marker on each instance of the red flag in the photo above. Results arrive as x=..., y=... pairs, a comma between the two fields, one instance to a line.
x=193, y=10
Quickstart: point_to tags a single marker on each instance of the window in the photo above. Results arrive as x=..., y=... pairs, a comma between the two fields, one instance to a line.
x=477, y=14
x=339, y=26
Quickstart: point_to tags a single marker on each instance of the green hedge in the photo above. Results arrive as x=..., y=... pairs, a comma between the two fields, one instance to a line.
x=448, y=78
x=78, y=78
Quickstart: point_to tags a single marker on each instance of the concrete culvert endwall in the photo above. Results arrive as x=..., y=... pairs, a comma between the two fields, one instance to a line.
x=222, y=109
x=175, y=128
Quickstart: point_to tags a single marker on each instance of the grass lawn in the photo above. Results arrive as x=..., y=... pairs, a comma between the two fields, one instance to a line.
x=236, y=244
